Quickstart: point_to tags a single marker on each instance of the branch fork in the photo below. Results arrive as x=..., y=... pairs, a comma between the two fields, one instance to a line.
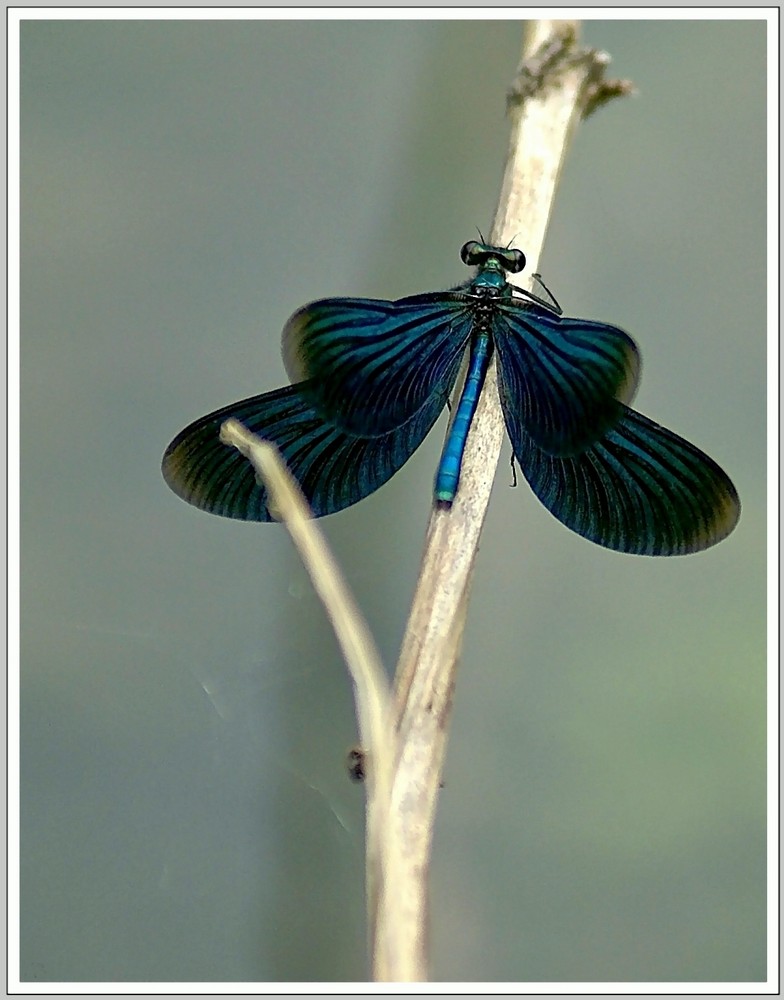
x=403, y=732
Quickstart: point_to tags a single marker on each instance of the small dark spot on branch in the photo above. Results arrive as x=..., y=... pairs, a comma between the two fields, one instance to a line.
x=356, y=761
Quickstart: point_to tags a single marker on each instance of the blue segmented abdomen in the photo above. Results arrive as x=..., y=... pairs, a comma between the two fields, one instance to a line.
x=448, y=475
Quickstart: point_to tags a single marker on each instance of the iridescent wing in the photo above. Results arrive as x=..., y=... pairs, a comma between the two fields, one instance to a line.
x=562, y=380
x=640, y=489
x=369, y=365
x=333, y=468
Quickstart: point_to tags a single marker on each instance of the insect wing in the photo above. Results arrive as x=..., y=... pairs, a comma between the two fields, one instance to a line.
x=370, y=365
x=333, y=468
x=561, y=380
x=641, y=489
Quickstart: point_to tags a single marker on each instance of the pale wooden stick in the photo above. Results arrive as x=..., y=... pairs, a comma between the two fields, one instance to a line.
x=372, y=696
x=556, y=83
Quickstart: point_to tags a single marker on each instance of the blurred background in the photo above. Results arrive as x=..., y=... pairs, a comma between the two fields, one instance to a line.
x=186, y=813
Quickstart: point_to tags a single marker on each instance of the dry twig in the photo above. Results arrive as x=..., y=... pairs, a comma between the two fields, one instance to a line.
x=557, y=83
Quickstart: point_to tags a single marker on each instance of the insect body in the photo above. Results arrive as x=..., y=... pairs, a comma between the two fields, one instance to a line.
x=371, y=377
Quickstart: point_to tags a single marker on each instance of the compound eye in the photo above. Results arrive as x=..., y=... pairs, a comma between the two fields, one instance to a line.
x=516, y=261
x=469, y=252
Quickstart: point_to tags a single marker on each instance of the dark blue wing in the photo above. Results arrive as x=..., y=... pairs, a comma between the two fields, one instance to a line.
x=333, y=468
x=562, y=379
x=640, y=489
x=370, y=365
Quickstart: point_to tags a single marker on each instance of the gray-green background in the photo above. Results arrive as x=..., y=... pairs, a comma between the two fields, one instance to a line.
x=185, y=713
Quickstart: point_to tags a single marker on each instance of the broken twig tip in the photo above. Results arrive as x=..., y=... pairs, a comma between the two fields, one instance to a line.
x=604, y=91
x=229, y=431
